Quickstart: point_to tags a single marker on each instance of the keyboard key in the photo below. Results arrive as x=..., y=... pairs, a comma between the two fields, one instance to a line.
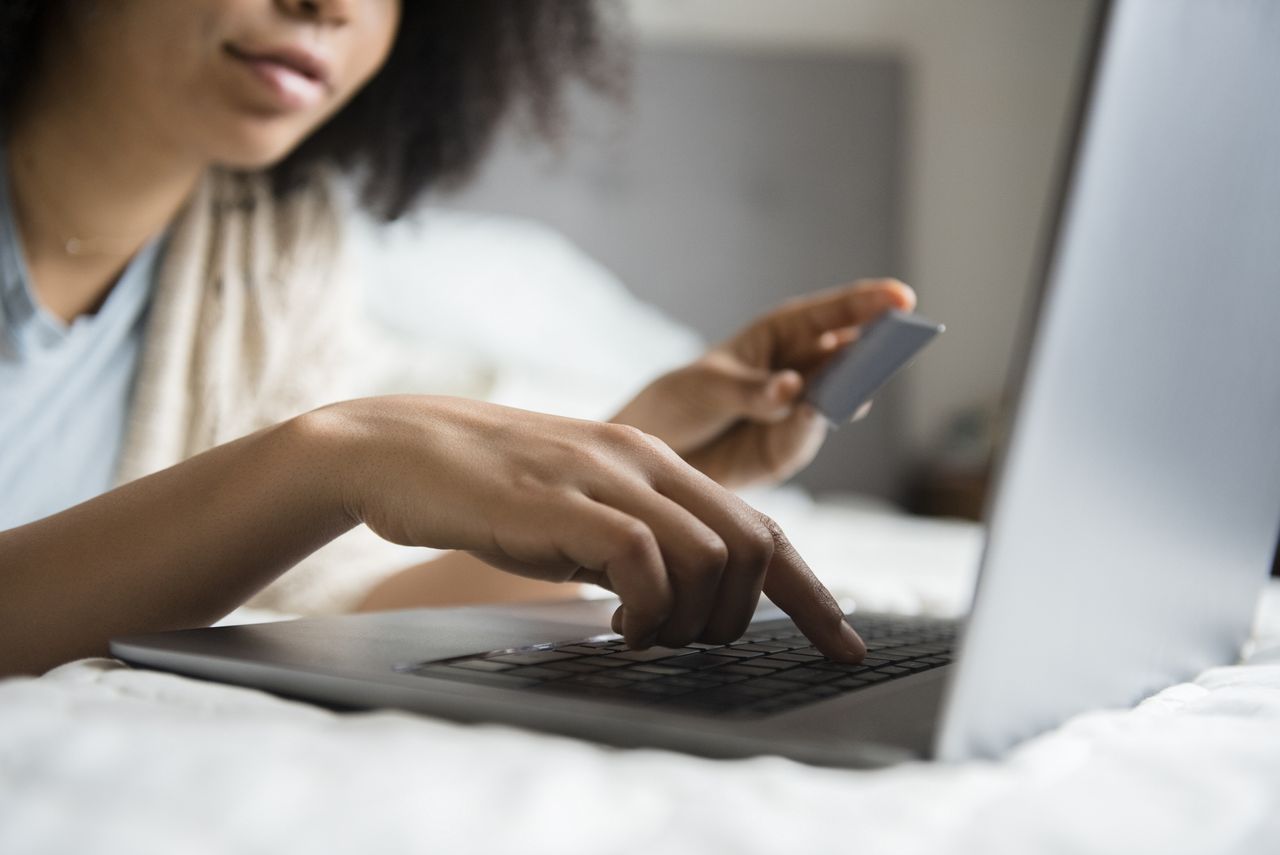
x=774, y=685
x=653, y=653
x=632, y=675
x=851, y=683
x=873, y=676
x=664, y=670
x=840, y=667
x=808, y=651
x=789, y=657
x=481, y=665
x=533, y=672
x=581, y=666
x=500, y=680
x=714, y=677
x=746, y=670
x=569, y=687
x=807, y=675
x=583, y=649
x=532, y=657
x=738, y=652
x=699, y=661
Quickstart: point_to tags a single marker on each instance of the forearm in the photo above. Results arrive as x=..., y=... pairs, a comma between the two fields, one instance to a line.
x=180, y=548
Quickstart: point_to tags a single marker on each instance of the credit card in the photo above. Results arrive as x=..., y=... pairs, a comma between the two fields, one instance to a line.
x=854, y=374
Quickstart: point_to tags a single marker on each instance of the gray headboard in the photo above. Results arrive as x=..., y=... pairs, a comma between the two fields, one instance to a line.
x=729, y=182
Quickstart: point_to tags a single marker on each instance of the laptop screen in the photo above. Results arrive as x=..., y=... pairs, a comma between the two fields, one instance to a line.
x=1136, y=514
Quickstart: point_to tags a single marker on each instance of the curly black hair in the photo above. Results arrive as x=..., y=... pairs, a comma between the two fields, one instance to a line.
x=426, y=119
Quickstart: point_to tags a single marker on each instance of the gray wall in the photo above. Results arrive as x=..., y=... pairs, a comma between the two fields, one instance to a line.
x=989, y=84
x=732, y=181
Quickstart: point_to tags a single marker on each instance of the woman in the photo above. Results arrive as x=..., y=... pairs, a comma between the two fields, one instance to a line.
x=171, y=313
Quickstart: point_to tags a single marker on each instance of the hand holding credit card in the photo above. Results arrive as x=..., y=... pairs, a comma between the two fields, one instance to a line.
x=857, y=372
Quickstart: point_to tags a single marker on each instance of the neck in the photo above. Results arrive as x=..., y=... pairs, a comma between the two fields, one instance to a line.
x=90, y=185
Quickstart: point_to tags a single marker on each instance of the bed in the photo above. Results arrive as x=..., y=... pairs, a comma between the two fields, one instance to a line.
x=97, y=757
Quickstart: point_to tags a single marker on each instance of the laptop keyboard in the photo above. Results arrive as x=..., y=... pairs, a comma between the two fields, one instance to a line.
x=771, y=669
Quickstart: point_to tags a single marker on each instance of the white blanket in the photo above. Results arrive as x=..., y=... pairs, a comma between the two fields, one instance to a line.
x=97, y=757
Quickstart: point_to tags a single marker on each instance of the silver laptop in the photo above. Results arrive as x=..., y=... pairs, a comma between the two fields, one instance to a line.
x=1133, y=523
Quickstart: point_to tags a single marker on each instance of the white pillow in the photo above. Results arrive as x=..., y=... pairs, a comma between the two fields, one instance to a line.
x=509, y=310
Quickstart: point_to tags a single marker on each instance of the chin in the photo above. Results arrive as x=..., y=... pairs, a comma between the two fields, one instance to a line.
x=258, y=147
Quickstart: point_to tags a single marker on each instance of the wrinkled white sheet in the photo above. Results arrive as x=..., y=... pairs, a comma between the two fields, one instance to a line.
x=96, y=757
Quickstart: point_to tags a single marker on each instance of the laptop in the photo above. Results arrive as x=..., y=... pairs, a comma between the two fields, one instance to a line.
x=1131, y=528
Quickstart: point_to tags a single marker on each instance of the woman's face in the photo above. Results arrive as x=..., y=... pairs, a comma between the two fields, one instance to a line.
x=234, y=82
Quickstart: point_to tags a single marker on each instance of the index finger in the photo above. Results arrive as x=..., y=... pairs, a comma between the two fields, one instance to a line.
x=794, y=589
x=800, y=322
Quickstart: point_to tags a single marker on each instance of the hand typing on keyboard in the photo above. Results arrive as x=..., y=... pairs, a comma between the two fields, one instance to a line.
x=569, y=500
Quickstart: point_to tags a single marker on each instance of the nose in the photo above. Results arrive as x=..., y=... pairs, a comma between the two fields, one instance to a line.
x=320, y=11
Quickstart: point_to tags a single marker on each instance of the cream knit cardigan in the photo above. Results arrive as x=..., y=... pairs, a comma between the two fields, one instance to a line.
x=247, y=328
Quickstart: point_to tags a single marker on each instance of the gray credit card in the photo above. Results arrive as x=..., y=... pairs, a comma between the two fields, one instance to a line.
x=855, y=373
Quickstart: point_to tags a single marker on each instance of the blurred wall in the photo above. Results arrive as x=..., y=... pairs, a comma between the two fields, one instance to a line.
x=990, y=82
x=731, y=181
x=925, y=133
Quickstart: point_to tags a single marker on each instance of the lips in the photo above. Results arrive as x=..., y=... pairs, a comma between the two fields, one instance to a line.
x=293, y=76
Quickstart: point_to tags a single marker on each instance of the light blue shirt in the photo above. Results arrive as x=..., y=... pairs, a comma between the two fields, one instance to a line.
x=64, y=389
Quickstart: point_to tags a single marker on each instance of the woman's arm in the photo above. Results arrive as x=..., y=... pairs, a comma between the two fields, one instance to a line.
x=180, y=548
x=545, y=497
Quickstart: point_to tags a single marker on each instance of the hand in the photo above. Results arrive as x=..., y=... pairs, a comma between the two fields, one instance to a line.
x=738, y=414
x=567, y=500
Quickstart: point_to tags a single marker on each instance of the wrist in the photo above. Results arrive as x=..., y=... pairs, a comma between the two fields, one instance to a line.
x=323, y=448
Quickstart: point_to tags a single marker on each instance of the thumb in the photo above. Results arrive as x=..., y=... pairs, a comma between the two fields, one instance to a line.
x=770, y=396
x=738, y=391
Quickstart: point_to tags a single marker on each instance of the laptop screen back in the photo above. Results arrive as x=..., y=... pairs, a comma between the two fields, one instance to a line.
x=1139, y=497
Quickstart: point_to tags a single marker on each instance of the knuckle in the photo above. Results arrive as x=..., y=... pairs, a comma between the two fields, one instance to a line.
x=632, y=540
x=777, y=536
x=710, y=555
x=764, y=539
x=634, y=443
x=623, y=435
x=658, y=446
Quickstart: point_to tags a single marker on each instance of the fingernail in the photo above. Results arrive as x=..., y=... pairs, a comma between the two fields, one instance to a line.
x=853, y=642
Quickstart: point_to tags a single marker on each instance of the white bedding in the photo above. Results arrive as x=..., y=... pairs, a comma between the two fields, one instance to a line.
x=97, y=757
